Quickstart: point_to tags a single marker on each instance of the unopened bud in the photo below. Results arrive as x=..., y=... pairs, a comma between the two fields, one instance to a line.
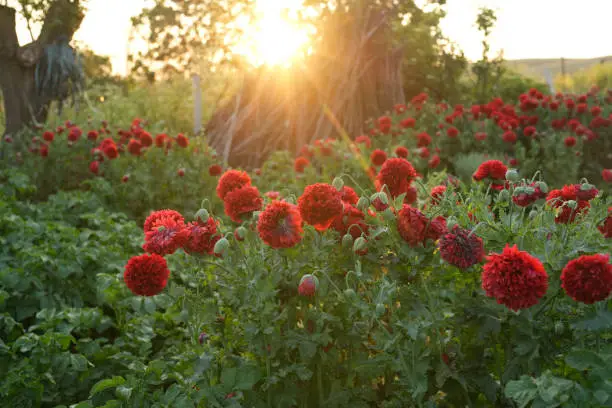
x=542, y=186
x=451, y=222
x=359, y=244
x=347, y=241
x=380, y=309
x=572, y=204
x=533, y=214
x=512, y=175
x=240, y=233
x=363, y=204
x=221, y=246
x=504, y=195
x=338, y=183
x=202, y=215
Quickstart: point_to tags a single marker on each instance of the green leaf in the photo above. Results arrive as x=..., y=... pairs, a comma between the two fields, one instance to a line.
x=601, y=396
x=106, y=384
x=247, y=377
x=307, y=350
x=78, y=362
x=584, y=359
x=228, y=377
x=523, y=391
x=149, y=305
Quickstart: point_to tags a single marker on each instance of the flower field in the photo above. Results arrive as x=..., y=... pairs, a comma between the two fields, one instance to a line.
x=450, y=257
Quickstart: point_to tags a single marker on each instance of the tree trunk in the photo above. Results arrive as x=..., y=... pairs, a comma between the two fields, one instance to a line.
x=23, y=106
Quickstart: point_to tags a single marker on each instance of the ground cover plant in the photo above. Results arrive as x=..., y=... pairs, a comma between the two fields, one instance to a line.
x=441, y=260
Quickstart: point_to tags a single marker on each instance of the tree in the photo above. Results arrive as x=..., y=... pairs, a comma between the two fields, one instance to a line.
x=35, y=74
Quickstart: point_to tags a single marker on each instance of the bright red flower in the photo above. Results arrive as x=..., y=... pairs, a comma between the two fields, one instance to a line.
x=384, y=124
x=408, y=123
x=378, y=157
x=559, y=200
x=202, y=237
x=300, y=164
x=606, y=227
x=320, y=204
x=424, y=152
x=232, y=180
x=160, y=140
x=214, y=170
x=585, y=191
x=595, y=110
x=570, y=141
x=437, y=193
x=145, y=139
x=480, y=136
x=351, y=221
x=74, y=134
x=416, y=229
x=509, y=136
x=364, y=140
x=492, y=169
x=588, y=279
x=273, y=195
x=48, y=136
x=240, y=203
x=146, y=275
x=401, y=151
x=434, y=161
x=92, y=135
x=109, y=148
x=461, y=248
x=182, y=140
x=348, y=195
x=514, y=278
x=606, y=175
x=134, y=147
x=399, y=108
x=529, y=131
x=165, y=232
x=94, y=167
x=452, y=132
x=280, y=225
x=423, y=139
x=397, y=174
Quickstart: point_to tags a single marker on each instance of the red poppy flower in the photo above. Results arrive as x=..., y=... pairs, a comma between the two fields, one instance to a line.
x=606, y=175
x=44, y=150
x=452, y=132
x=319, y=205
x=437, y=193
x=146, y=275
x=585, y=191
x=414, y=227
x=509, y=136
x=606, y=227
x=399, y=108
x=232, y=180
x=240, y=203
x=165, y=233
x=434, y=161
x=214, y=170
x=423, y=139
x=182, y=140
x=145, y=139
x=492, y=169
x=48, y=136
x=134, y=147
x=424, y=152
x=588, y=279
x=94, y=167
x=125, y=178
x=280, y=225
x=561, y=201
x=480, y=136
x=160, y=140
x=397, y=174
x=308, y=285
x=348, y=195
x=364, y=140
x=570, y=141
x=384, y=124
x=408, y=123
x=526, y=195
x=92, y=135
x=378, y=157
x=529, y=131
x=514, y=278
x=351, y=221
x=300, y=164
x=74, y=134
x=461, y=248
x=202, y=237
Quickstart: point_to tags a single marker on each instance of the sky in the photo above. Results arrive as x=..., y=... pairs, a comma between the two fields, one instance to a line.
x=524, y=29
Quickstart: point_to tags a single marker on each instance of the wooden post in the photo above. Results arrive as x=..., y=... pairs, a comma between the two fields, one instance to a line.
x=197, y=105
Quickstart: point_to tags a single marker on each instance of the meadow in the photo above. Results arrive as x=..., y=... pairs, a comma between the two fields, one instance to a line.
x=452, y=256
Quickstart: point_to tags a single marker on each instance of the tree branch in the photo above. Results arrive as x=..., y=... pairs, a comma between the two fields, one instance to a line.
x=8, y=35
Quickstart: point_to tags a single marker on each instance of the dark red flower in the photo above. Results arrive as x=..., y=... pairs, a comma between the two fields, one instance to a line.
x=308, y=285
x=202, y=237
x=424, y=152
x=492, y=169
x=437, y=193
x=526, y=195
x=408, y=123
x=165, y=232
x=585, y=191
x=160, y=140
x=461, y=248
x=364, y=140
x=109, y=148
x=300, y=164
x=125, y=178
x=232, y=180
x=74, y=134
x=434, y=161
x=399, y=108
x=44, y=150
x=180, y=172
x=452, y=132
x=509, y=136
x=94, y=167
x=384, y=124
x=561, y=201
x=414, y=227
x=351, y=221
x=480, y=136
x=606, y=227
x=348, y=195
x=423, y=139
x=378, y=157
x=134, y=147
x=570, y=141
x=397, y=174
x=529, y=131
x=145, y=139
x=48, y=136
x=240, y=203
x=182, y=140
x=514, y=278
x=401, y=151
x=280, y=225
x=606, y=175
x=92, y=135
x=319, y=205
x=146, y=275
x=588, y=279
x=214, y=170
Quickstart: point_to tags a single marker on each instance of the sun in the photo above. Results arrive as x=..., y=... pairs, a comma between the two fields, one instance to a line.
x=274, y=38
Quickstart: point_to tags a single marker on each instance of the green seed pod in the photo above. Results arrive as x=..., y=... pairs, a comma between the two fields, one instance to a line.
x=347, y=241
x=572, y=204
x=202, y=215
x=338, y=183
x=504, y=195
x=512, y=175
x=380, y=309
x=221, y=246
x=359, y=244
x=451, y=222
x=542, y=186
x=350, y=293
x=533, y=214
x=241, y=233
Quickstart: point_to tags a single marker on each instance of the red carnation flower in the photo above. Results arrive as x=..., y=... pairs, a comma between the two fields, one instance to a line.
x=408, y=123
x=384, y=124
x=348, y=195
x=606, y=227
x=232, y=180
x=240, y=203
x=134, y=147
x=202, y=237
x=94, y=167
x=452, y=132
x=214, y=170
x=48, y=136
x=182, y=140
x=437, y=193
x=92, y=135
x=364, y=140
x=165, y=232
x=570, y=141
x=461, y=248
x=146, y=275
x=588, y=279
x=402, y=152
x=416, y=229
x=319, y=205
x=280, y=225
x=509, y=136
x=493, y=169
x=74, y=134
x=514, y=278
x=351, y=221
x=423, y=139
x=300, y=164
x=378, y=157
x=397, y=174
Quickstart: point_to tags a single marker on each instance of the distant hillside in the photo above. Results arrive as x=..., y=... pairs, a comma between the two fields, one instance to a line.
x=540, y=68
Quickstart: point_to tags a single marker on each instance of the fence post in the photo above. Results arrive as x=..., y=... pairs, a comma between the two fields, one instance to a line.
x=197, y=104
